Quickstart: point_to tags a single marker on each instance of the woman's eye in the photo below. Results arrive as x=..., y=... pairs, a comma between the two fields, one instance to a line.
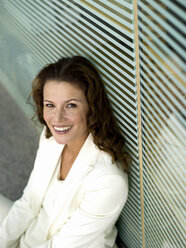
x=49, y=105
x=71, y=105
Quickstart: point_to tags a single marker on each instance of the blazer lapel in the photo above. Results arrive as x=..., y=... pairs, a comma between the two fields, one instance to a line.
x=87, y=157
x=45, y=165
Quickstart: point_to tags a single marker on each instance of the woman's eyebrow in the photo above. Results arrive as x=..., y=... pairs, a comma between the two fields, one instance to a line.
x=47, y=101
x=77, y=100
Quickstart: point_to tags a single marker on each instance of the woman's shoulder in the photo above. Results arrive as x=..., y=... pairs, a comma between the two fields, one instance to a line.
x=106, y=165
x=107, y=183
x=106, y=173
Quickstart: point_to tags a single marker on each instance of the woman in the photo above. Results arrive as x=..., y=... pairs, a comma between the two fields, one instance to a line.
x=78, y=187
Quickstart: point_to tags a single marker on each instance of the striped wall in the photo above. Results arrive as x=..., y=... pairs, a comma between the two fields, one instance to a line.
x=139, y=47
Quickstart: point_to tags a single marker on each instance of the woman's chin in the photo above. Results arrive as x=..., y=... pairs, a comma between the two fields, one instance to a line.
x=60, y=140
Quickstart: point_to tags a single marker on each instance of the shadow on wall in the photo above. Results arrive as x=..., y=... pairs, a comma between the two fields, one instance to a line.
x=18, y=145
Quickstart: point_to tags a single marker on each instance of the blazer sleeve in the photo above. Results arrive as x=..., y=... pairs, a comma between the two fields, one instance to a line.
x=98, y=211
x=19, y=216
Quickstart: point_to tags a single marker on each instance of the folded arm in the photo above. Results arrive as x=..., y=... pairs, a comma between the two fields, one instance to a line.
x=98, y=211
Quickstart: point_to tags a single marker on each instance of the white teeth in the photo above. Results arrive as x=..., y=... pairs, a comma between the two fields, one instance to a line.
x=61, y=129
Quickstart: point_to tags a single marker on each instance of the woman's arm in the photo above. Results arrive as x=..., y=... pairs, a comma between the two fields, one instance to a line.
x=98, y=211
x=16, y=222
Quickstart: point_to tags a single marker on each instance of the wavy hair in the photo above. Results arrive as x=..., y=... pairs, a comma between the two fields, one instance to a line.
x=101, y=122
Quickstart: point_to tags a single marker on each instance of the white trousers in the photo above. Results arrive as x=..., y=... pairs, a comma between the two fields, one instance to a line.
x=5, y=205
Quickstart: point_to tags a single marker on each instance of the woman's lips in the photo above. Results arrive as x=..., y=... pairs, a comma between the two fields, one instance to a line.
x=62, y=129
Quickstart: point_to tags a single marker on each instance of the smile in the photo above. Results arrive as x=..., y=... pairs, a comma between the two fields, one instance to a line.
x=62, y=129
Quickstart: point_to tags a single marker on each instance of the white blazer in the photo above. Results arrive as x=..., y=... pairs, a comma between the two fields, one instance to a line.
x=95, y=192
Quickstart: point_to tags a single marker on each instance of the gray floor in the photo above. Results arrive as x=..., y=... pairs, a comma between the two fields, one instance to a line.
x=18, y=145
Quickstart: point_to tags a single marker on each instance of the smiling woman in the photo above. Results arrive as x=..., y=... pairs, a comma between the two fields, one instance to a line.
x=65, y=113
x=79, y=184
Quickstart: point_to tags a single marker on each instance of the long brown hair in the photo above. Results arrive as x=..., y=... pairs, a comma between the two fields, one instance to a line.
x=100, y=119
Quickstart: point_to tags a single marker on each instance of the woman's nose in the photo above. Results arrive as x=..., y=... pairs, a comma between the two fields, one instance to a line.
x=59, y=115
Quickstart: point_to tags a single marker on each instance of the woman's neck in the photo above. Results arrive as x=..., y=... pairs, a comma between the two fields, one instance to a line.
x=74, y=148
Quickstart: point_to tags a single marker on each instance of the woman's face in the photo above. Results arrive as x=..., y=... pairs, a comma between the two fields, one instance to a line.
x=65, y=110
